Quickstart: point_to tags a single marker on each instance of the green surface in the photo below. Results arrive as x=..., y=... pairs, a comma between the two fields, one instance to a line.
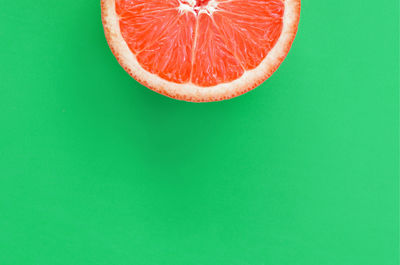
x=96, y=169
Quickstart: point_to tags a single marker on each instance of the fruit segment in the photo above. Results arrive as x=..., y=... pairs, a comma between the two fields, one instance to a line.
x=214, y=62
x=143, y=21
x=251, y=28
x=170, y=56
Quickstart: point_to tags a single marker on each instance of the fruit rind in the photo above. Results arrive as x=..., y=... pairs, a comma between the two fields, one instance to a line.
x=188, y=91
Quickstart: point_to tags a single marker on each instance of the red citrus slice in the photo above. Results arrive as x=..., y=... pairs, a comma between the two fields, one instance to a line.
x=200, y=50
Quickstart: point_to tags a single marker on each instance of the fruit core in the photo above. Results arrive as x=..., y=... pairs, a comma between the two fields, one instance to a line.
x=198, y=6
x=201, y=3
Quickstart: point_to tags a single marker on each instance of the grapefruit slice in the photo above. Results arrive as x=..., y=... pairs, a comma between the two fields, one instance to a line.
x=200, y=50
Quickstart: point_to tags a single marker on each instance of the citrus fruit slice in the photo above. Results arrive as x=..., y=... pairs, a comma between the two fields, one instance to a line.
x=200, y=50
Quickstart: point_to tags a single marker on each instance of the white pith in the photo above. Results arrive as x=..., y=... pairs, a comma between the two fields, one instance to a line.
x=190, y=90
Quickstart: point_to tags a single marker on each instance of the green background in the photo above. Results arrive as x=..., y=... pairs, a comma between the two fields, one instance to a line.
x=97, y=169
